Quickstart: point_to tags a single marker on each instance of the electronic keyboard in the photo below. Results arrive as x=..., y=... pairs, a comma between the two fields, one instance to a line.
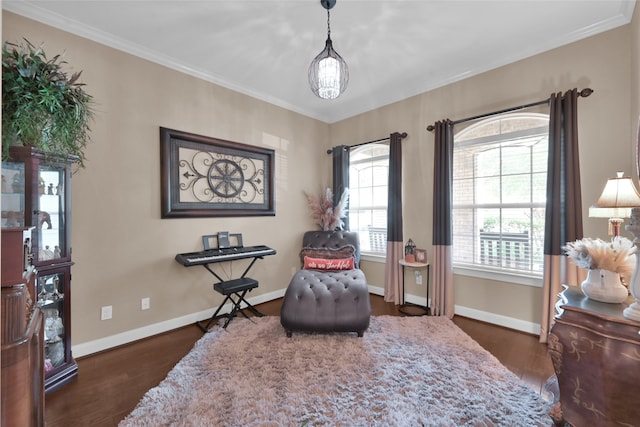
x=227, y=254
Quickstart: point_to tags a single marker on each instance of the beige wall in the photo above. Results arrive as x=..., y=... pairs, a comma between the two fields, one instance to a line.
x=123, y=251
x=601, y=62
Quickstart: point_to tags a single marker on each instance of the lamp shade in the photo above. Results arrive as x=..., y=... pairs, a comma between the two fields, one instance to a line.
x=619, y=192
x=596, y=212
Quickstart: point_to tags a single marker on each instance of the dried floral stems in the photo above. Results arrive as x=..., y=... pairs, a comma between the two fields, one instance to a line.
x=615, y=255
x=324, y=214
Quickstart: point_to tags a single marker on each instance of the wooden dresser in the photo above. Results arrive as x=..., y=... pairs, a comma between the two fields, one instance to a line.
x=595, y=352
x=22, y=333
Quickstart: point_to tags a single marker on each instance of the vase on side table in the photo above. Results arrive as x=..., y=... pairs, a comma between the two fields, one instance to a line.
x=604, y=286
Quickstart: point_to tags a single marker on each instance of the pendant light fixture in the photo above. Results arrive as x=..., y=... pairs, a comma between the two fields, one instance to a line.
x=328, y=72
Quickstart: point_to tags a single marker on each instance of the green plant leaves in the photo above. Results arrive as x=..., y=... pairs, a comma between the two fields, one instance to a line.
x=42, y=105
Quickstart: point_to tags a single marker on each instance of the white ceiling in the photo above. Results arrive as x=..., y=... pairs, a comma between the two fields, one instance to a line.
x=394, y=48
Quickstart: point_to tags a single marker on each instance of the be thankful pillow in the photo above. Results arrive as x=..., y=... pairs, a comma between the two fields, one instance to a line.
x=345, y=251
x=328, y=264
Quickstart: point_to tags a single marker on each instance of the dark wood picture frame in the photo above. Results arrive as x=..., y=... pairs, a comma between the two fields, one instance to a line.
x=209, y=177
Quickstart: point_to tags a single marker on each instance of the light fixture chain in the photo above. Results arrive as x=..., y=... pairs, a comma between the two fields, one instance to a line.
x=328, y=25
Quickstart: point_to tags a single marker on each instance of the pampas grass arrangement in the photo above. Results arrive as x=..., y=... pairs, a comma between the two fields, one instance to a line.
x=324, y=214
x=615, y=255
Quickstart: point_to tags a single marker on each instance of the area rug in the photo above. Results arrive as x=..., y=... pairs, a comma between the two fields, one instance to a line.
x=405, y=371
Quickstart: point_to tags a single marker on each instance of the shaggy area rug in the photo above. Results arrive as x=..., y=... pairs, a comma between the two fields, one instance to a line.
x=405, y=371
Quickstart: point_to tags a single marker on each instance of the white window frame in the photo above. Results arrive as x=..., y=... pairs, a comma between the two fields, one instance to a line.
x=515, y=276
x=354, y=209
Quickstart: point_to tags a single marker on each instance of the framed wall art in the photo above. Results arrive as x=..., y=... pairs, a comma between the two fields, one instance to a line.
x=421, y=255
x=207, y=177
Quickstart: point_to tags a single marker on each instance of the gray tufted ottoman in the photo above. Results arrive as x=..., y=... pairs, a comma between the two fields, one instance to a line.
x=327, y=301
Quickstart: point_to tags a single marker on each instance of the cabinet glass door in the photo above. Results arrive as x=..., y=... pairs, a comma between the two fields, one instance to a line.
x=13, y=195
x=51, y=300
x=50, y=213
x=35, y=194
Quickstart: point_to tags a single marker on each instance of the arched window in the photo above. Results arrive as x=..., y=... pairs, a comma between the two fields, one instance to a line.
x=499, y=195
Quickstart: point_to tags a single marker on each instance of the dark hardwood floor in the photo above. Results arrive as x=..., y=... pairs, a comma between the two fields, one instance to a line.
x=110, y=384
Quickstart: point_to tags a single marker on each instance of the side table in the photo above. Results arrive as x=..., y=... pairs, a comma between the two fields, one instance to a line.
x=595, y=352
x=409, y=308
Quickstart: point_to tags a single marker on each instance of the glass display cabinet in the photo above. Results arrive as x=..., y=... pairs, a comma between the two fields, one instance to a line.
x=36, y=192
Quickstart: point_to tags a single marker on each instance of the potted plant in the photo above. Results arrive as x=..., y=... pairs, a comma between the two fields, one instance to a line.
x=43, y=106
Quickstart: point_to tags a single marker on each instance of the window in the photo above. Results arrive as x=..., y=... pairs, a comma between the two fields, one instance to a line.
x=368, y=188
x=499, y=196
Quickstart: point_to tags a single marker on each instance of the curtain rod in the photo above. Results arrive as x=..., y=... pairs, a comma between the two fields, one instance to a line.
x=583, y=93
x=402, y=135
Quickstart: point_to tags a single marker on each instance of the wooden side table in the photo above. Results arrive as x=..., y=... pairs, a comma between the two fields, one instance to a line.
x=595, y=352
x=408, y=308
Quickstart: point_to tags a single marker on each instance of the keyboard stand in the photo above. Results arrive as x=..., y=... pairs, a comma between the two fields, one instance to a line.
x=234, y=291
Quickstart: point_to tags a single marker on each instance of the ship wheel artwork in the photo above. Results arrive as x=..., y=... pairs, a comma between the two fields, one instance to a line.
x=204, y=176
x=226, y=178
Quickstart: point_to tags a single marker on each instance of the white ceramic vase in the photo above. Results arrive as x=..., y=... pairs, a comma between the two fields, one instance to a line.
x=604, y=286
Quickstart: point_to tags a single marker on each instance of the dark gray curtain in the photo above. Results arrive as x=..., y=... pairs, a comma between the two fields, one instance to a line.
x=442, y=303
x=563, y=221
x=393, y=288
x=341, y=176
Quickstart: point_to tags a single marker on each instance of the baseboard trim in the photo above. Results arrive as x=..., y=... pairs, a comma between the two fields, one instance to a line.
x=498, y=319
x=106, y=343
x=472, y=313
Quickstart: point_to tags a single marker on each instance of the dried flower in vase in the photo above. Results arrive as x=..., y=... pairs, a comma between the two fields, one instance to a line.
x=616, y=255
x=324, y=214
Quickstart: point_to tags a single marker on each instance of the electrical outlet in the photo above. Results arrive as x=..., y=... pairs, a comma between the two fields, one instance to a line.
x=145, y=303
x=418, y=278
x=106, y=313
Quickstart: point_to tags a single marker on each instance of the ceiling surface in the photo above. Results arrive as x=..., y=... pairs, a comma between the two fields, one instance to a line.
x=394, y=48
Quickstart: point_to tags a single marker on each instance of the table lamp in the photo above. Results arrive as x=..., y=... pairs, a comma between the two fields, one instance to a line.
x=616, y=201
x=616, y=217
x=620, y=199
x=620, y=193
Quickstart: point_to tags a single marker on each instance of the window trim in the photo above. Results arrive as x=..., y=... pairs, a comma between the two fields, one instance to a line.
x=373, y=257
x=500, y=275
x=370, y=255
x=520, y=277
